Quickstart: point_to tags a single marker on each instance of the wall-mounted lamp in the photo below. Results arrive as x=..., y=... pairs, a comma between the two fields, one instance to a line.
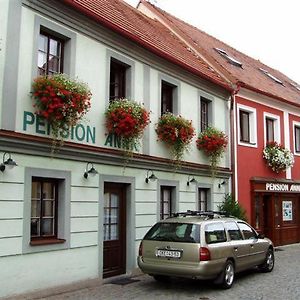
x=222, y=183
x=150, y=177
x=192, y=180
x=89, y=171
x=9, y=162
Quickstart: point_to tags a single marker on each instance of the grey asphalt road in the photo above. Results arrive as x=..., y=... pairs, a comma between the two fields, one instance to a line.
x=282, y=283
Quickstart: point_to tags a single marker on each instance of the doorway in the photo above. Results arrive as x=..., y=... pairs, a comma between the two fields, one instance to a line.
x=114, y=230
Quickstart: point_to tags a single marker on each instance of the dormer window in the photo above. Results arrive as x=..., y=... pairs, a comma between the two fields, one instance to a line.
x=295, y=85
x=271, y=76
x=229, y=58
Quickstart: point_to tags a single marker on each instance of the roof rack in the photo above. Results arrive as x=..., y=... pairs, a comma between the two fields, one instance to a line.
x=211, y=214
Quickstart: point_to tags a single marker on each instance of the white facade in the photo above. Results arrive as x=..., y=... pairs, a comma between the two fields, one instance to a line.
x=89, y=49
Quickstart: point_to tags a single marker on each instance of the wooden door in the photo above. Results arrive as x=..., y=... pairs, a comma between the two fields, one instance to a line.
x=114, y=227
x=290, y=219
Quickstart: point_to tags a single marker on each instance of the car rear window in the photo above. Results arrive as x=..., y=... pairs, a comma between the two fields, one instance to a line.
x=215, y=233
x=175, y=232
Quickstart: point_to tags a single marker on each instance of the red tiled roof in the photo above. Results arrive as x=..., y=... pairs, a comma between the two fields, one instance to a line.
x=249, y=76
x=150, y=34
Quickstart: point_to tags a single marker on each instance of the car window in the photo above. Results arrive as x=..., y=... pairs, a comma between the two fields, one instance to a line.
x=175, y=232
x=248, y=232
x=215, y=233
x=233, y=231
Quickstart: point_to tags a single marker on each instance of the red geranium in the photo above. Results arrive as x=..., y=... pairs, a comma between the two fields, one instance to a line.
x=127, y=119
x=61, y=101
x=213, y=142
x=176, y=132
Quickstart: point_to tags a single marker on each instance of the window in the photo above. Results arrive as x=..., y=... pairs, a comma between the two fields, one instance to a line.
x=229, y=58
x=203, y=199
x=295, y=85
x=215, y=233
x=248, y=232
x=50, y=54
x=44, y=203
x=233, y=231
x=175, y=232
x=272, y=128
x=297, y=138
x=204, y=113
x=271, y=76
x=270, y=134
x=46, y=221
x=117, y=80
x=165, y=201
x=167, y=91
x=247, y=129
x=244, y=126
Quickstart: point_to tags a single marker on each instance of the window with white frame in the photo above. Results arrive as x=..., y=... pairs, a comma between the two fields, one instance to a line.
x=247, y=125
x=271, y=128
x=54, y=48
x=50, y=54
x=296, y=126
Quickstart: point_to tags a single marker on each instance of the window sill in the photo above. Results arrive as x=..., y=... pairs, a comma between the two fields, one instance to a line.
x=48, y=241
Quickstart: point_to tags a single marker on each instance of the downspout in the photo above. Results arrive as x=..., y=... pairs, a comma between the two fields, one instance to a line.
x=233, y=141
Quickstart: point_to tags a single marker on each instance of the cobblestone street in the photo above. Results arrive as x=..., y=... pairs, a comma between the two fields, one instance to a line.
x=282, y=283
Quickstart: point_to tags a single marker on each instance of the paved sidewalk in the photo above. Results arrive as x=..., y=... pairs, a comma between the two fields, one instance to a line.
x=282, y=283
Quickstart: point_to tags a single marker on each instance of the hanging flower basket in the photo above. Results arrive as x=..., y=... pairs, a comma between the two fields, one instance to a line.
x=127, y=119
x=176, y=132
x=213, y=143
x=61, y=101
x=278, y=158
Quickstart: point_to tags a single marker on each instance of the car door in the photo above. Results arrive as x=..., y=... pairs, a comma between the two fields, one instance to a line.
x=257, y=247
x=239, y=246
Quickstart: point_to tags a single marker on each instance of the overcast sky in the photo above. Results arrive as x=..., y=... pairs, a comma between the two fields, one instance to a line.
x=268, y=30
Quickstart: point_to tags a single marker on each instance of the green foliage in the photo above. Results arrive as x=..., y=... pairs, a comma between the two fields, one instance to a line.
x=232, y=208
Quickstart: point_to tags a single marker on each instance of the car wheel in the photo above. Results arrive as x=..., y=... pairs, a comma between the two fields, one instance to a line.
x=161, y=278
x=226, y=278
x=268, y=264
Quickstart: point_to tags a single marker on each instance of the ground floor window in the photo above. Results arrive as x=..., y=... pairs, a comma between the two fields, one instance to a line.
x=165, y=201
x=47, y=209
x=203, y=199
x=44, y=203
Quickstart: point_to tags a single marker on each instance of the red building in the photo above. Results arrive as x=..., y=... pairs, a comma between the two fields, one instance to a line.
x=265, y=107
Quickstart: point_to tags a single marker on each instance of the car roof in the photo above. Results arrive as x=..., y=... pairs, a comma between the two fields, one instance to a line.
x=195, y=219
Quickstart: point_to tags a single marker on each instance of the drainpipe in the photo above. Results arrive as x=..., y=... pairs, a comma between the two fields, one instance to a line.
x=233, y=140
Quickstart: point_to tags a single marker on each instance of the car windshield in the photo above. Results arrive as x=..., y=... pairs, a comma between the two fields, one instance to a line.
x=175, y=232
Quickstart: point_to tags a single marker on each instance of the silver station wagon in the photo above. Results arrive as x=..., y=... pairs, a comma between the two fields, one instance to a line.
x=203, y=245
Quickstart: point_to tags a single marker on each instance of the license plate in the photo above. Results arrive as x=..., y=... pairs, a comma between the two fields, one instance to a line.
x=168, y=253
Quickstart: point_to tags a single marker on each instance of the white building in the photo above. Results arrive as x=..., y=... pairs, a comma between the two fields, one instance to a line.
x=52, y=217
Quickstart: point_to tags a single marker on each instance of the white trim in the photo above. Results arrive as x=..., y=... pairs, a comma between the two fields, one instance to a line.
x=277, y=133
x=252, y=125
x=295, y=123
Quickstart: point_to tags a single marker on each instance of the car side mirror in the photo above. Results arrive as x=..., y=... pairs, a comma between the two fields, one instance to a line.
x=261, y=236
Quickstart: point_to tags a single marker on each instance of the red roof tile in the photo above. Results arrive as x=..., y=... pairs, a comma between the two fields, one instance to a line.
x=248, y=76
x=150, y=34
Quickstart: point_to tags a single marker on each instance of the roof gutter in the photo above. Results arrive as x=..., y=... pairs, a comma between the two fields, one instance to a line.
x=249, y=87
x=233, y=140
x=132, y=37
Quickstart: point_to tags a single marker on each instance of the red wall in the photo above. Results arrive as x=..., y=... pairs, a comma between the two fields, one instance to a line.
x=250, y=162
x=296, y=167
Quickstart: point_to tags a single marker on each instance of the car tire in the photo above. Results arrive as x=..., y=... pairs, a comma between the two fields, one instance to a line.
x=268, y=264
x=226, y=278
x=161, y=278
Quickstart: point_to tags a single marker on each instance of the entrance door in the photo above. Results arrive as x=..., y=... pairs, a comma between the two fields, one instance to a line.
x=290, y=220
x=114, y=226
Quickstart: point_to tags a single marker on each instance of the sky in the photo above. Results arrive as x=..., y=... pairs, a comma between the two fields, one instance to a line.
x=268, y=30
